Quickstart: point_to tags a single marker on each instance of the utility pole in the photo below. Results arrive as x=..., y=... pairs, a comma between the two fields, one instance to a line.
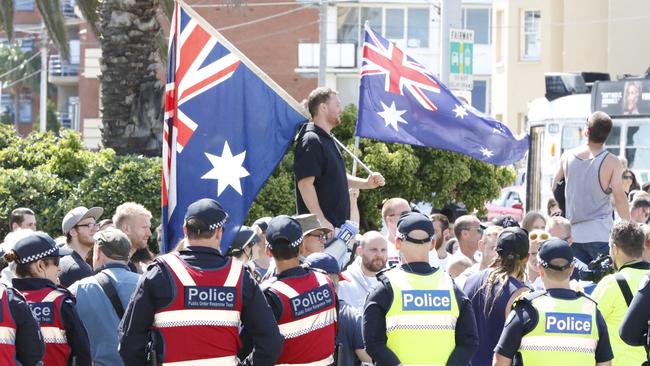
x=322, y=65
x=43, y=91
x=450, y=17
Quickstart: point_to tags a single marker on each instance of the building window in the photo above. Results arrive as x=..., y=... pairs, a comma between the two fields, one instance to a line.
x=531, y=35
x=478, y=20
x=418, y=28
x=404, y=26
x=395, y=24
x=24, y=5
x=347, y=21
x=479, y=95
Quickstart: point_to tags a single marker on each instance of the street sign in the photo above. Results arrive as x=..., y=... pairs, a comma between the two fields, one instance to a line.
x=461, y=58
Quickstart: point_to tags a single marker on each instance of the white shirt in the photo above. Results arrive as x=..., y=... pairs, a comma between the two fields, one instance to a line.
x=356, y=288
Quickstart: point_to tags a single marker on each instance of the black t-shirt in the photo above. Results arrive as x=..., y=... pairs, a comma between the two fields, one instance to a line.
x=317, y=155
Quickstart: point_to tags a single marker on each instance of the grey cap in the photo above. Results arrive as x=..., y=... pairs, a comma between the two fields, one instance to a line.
x=113, y=243
x=77, y=214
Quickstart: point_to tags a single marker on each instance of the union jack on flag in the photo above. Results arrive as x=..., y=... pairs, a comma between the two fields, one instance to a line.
x=401, y=101
x=227, y=125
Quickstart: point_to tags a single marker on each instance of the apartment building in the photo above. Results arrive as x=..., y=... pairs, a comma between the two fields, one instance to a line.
x=531, y=37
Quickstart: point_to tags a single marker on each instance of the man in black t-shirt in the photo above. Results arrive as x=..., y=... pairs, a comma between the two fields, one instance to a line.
x=321, y=180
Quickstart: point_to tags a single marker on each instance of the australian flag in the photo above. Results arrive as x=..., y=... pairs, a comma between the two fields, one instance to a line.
x=227, y=126
x=401, y=101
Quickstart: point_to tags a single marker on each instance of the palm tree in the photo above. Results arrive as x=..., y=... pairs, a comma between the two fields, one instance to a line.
x=130, y=37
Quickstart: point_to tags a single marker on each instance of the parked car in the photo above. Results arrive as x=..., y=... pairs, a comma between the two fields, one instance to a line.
x=510, y=202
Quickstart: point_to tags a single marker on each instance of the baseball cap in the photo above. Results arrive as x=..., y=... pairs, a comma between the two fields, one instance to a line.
x=555, y=248
x=113, y=243
x=36, y=246
x=245, y=237
x=513, y=241
x=209, y=212
x=505, y=221
x=412, y=221
x=284, y=230
x=77, y=214
x=325, y=262
x=310, y=223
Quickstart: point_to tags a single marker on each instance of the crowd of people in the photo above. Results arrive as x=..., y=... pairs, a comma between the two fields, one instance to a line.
x=569, y=285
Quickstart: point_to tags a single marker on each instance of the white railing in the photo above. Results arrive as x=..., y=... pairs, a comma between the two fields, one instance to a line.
x=58, y=67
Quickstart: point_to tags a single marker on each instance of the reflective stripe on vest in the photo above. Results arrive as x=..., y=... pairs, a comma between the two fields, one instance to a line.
x=324, y=362
x=423, y=313
x=206, y=309
x=188, y=318
x=219, y=361
x=54, y=335
x=311, y=323
x=566, y=332
x=7, y=330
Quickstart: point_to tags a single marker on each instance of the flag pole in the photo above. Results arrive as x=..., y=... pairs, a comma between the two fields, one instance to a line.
x=356, y=151
x=356, y=159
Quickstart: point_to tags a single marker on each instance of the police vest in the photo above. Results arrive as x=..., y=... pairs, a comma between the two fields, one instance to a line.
x=308, y=321
x=566, y=331
x=421, y=321
x=7, y=331
x=201, y=325
x=45, y=304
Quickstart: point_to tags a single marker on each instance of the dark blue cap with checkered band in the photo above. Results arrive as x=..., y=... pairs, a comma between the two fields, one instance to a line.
x=209, y=212
x=37, y=246
x=412, y=221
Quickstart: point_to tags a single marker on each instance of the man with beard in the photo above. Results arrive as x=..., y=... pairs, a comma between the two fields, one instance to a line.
x=361, y=276
x=135, y=221
x=321, y=181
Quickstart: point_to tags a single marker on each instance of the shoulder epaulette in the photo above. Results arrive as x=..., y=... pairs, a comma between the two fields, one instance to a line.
x=582, y=294
x=381, y=275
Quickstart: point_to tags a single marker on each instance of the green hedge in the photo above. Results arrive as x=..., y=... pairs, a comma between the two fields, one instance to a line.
x=53, y=174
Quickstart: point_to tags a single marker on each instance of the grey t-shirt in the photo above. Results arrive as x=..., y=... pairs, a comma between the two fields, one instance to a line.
x=72, y=268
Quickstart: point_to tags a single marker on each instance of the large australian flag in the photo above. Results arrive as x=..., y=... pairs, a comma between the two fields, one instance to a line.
x=227, y=126
x=401, y=101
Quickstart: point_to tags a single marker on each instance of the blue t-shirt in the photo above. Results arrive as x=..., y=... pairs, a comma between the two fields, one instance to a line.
x=490, y=318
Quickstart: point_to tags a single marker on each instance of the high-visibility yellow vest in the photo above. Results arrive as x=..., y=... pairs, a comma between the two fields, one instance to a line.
x=421, y=321
x=566, y=332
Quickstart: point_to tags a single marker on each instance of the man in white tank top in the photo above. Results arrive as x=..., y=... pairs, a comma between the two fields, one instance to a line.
x=593, y=177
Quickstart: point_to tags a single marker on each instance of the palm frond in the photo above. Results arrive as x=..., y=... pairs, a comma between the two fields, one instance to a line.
x=53, y=18
x=7, y=17
x=167, y=7
x=90, y=11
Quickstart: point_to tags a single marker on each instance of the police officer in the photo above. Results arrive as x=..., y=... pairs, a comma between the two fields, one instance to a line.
x=190, y=305
x=303, y=301
x=558, y=324
x=242, y=248
x=37, y=267
x=22, y=335
x=636, y=324
x=417, y=315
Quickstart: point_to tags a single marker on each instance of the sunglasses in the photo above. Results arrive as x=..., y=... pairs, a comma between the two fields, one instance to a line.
x=541, y=236
x=321, y=237
x=627, y=177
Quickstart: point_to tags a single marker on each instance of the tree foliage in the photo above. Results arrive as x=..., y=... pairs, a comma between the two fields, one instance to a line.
x=414, y=173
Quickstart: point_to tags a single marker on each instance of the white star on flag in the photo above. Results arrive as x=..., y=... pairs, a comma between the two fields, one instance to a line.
x=391, y=115
x=227, y=169
x=460, y=111
x=486, y=152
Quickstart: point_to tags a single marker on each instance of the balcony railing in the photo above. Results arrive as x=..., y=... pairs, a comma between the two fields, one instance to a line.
x=58, y=67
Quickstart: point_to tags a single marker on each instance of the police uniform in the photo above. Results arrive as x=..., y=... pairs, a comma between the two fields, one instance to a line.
x=556, y=325
x=303, y=302
x=417, y=315
x=20, y=336
x=52, y=306
x=192, y=304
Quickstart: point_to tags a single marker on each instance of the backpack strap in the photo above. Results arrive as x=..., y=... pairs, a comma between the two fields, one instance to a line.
x=625, y=288
x=104, y=281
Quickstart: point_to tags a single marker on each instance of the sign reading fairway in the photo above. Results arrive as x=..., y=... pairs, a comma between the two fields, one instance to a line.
x=461, y=54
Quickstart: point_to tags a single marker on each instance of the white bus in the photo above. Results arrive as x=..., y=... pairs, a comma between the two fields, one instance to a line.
x=559, y=125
